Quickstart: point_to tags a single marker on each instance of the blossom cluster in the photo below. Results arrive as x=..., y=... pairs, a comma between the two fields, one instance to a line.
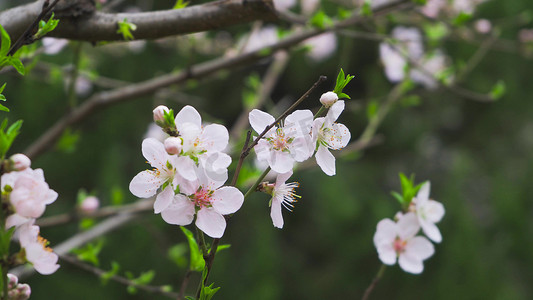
x=296, y=139
x=26, y=194
x=398, y=240
x=189, y=171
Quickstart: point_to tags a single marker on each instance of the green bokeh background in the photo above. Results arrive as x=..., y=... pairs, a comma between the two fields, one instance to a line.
x=476, y=155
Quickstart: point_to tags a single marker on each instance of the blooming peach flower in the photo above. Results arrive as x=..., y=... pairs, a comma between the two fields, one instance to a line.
x=428, y=212
x=397, y=240
x=37, y=251
x=282, y=195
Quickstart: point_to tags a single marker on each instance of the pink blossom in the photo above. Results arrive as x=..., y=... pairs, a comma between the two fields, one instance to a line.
x=429, y=212
x=209, y=200
x=20, y=162
x=282, y=195
x=90, y=204
x=37, y=251
x=284, y=145
x=322, y=46
x=397, y=240
x=159, y=113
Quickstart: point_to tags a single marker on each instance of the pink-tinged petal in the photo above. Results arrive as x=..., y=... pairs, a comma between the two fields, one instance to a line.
x=420, y=248
x=215, y=137
x=431, y=230
x=180, y=212
x=340, y=137
x=386, y=254
x=282, y=178
x=188, y=114
x=302, y=148
x=386, y=233
x=43, y=261
x=154, y=152
x=335, y=111
x=30, y=209
x=216, y=165
x=51, y=196
x=186, y=167
x=163, y=199
x=410, y=263
x=211, y=222
x=408, y=226
x=260, y=120
x=227, y=200
x=280, y=162
x=325, y=160
x=145, y=184
x=186, y=187
x=434, y=211
x=190, y=134
x=209, y=179
x=423, y=193
x=262, y=150
x=16, y=220
x=275, y=213
x=298, y=123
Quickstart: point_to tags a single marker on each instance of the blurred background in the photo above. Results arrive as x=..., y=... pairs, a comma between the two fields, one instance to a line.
x=477, y=155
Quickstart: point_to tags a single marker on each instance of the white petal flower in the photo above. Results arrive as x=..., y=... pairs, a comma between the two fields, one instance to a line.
x=327, y=135
x=397, y=240
x=282, y=195
x=37, y=251
x=282, y=146
x=428, y=212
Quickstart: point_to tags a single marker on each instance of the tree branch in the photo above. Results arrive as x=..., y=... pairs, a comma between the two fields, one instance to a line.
x=99, y=26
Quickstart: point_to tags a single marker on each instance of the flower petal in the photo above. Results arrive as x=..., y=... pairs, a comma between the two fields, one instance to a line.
x=215, y=137
x=408, y=226
x=211, y=222
x=335, y=111
x=275, y=213
x=282, y=178
x=180, y=212
x=431, y=230
x=186, y=167
x=423, y=193
x=145, y=184
x=420, y=248
x=154, y=152
x=340, y=137
x=260, y=120
x=302, y=148
x=298, y=123
x=280, y=162
x=188, y=114
x=227, y=200
x=386, y=254
x=434, y=211
x=410, y=263
x=386, y=233
x=325, y=160
x=163, y=199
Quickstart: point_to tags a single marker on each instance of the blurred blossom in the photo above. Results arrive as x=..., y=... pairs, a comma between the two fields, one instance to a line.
x=483, y=26
x=53, y=46
x=90, y=204
x=263, y=37
x=309, y=6
x=525, y=35
x=322, y=46
x=83, y=86
x=434, y=64
x=155, y=132
x=284, y=4
x=433, y=7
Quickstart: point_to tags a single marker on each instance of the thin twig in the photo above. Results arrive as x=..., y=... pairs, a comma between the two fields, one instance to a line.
x=184, y=284
x=374, y=282
x=125, y=281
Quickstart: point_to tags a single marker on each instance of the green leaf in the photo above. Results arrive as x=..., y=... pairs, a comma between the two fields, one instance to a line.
x=5, y=239
x=7, y=137
x=2, y=89
x=321, y=20
x=90, y=252
x=6, y=42
x=177, y=254
x=68, y=141
x=436, y=31
x=461, y=19
x=181, y=4
x=117, y=195
x=46, y=27
x=223, y=247
x=17, y=64
x=343, y=13
x=115, y=267
x=3, y=108
x=366, y=9
x=197, y=262
x=398, y=197
x=372, y=109
x=208, y=292
x=411, y=100
x=419, y=2
x=498, y=90
x=341, y=83
x=125, y=28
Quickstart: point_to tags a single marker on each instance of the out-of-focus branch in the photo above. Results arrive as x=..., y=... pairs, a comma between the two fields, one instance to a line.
x=99, y=26
x=136, y=90
x=99, y=272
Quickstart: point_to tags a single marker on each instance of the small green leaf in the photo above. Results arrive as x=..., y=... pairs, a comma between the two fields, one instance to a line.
x=117, y=196
x=411, y=100
x=498, y=90
x=3, y=108
x=208, y=292
x=17, y=64
x=115, y=267
x=461, y=19
x=223, y=247
x=46, y=27
x=343, y=13
x=197, y=262
x=181, y=4
x=68, y=141
x=2, y=89
x=6, y=42
x=125, y=28
x=90, y=252
x=372, y=109
x=366, y=9
x=321, y=20
x=177, y=254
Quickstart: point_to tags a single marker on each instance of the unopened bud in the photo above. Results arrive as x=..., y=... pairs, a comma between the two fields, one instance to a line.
x=173, y=145
x=90, y=204
x=266, y=187
x=22, y=292
x=12, y=281
x=328, y=99
x=19, y=162
x=159, y=114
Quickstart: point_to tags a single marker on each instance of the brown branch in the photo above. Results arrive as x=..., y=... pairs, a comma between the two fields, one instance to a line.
x=100, y=26
x=150, y=86
x=125, y=281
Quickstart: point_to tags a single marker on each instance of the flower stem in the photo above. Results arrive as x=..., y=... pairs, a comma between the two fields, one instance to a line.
x=257, y=182
x=322, y=108
x=372, y=285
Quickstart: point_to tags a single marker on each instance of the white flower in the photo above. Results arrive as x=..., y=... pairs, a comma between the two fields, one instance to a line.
x=204, y=144
x=322, y=46
x=167, y=169
x=209, y=200
x=409, y=43
x=282, y=195
x=37, y=251
x=328, y=134
x=428, y=212
x=282, y=146
x=329, y=98
x=398, y=240
x=29, y=196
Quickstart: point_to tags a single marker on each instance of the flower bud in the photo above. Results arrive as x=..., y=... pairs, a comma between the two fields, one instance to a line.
x=19, y=162
x=89, y=205
x=22, y=292
x=12, y=281
x=173, y=145
x=159, y=114
x=328, y=99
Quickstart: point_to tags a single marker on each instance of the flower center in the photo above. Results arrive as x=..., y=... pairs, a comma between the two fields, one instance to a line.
x=399, y=245
x=279, y=140
x=44, y=242
x=202, y=198
x=287, y=193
